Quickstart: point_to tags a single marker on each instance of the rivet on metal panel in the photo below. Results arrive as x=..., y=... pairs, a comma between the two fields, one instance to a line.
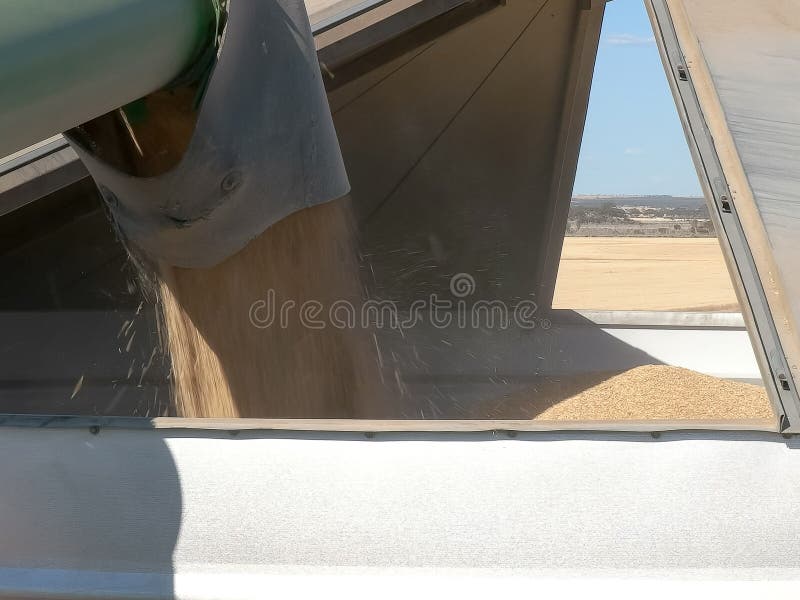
x=231, y=181
x=784, y=424
x=723, y=193
x=180, y=222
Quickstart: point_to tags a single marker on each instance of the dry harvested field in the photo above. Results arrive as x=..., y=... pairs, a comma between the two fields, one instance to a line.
x=624, y=273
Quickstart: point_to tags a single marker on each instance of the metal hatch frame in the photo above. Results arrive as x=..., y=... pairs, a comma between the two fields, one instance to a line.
x=731, y=235
x=571, y=128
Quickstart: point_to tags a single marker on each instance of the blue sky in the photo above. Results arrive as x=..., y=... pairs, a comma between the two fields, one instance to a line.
x=633, y=142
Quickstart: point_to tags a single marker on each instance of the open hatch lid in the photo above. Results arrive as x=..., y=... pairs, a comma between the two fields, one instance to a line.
x=732, y=68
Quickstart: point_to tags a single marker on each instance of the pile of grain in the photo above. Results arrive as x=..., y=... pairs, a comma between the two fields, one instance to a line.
x=646, y=392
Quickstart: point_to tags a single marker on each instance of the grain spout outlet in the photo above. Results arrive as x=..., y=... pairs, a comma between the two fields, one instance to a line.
x=193, y=172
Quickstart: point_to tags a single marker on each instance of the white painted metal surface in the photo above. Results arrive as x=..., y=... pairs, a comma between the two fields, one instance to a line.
x=202, y=515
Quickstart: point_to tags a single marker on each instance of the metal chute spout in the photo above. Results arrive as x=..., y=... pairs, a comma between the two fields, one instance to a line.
x=264, y=146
